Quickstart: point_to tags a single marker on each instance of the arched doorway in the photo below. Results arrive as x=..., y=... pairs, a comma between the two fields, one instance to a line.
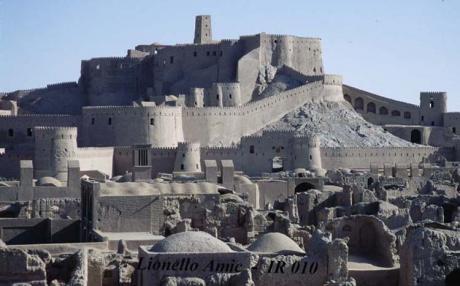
x=416, y=136
x=303, y=187
x=367, y=240
x=371, y=107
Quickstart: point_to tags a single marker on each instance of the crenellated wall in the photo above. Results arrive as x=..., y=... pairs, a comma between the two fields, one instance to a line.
x=302, y=54
x=381, y=110
x=111, y=81
x=362, y=158
x=255, y=155
x=56, y=98
x=160, y=126
x=224, y=126
x=164, y=126
x=20, y=129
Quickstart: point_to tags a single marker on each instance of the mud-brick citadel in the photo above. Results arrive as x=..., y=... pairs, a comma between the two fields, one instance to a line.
x=226, y=162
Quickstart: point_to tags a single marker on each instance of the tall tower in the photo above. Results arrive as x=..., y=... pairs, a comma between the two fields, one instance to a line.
x=203, y=32
x=188, y=157
x=433, y=105
x=308, y=153
x=54, y=146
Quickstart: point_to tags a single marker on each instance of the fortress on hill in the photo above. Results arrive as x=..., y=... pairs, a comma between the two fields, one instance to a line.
x=221, y=95
x=226, y=162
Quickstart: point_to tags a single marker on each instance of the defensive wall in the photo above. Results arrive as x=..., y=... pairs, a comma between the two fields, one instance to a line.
x=20, y=129
x=363, y=157
x=381, y=110
x=164, y=126
x=426, y=135
x=178, y=68
x=111, y=81
x=302, y=54
x=159, y=126
x=255, y=155
x=57, y=98
x=223, y=126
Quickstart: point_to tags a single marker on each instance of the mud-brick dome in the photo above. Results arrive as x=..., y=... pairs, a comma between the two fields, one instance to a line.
x=274, y=242
x=191, y=242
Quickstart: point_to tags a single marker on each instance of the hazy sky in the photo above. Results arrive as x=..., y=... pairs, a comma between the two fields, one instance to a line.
x=395, y=48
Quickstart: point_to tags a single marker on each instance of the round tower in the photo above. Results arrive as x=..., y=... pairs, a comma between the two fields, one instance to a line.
x=195, y=97
x=188, y=157
x=225, y=94
x=433, y=105
x=54, y=146
x=307, y=153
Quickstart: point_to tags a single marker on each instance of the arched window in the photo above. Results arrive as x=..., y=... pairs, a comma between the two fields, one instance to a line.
x=371, y=107
x=359, y=103
x=407, y=115
x=347, y=98
x=383, y=110
x=11, y=132
x=395, y=113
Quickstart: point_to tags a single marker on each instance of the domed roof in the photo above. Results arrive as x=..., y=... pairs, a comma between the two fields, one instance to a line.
x=48, y=181
x=242, y=179
x=191, y=241
x=274, y=242
x=231, y=198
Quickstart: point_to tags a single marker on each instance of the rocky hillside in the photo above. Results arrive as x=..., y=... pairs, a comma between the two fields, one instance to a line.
x=338, y=125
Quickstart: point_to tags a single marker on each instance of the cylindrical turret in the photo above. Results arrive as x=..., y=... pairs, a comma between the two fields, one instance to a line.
x=195, y=97
x=225, y=94
x=188, y=157
x=307, y=153
x=314, y=154
x=54, y=146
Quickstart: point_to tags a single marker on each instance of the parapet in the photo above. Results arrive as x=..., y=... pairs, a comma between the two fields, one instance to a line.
x=55, y=132
x=59, y=85
x=330, y=79
x=433, y=93
x=188, y=146
x=314, y=142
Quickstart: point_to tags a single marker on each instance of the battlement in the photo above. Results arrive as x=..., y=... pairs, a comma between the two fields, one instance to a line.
x=332, y=79
x=70, y=84
x=56, y=132
x=295, y=39
x=433, y=93
x=188, y=146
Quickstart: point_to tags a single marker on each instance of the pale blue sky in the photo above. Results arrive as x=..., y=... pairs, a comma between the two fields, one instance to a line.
x=395, y=48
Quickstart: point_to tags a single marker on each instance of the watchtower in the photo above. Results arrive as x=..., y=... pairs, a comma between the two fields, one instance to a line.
x=188, y=157
x=433, y=105
x=203, y=32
